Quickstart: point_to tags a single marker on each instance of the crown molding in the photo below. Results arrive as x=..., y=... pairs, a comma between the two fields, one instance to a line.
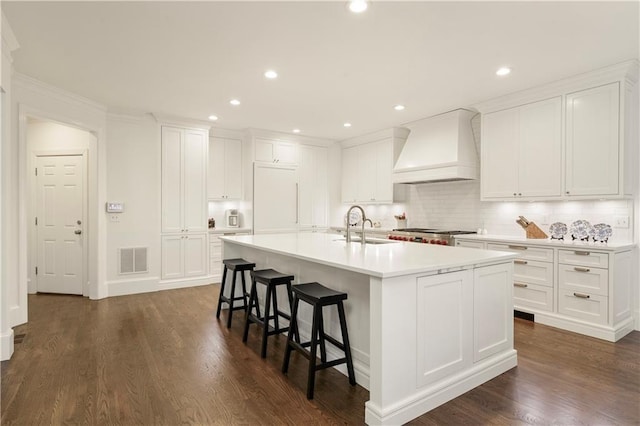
x=391, y=132
x=626, y=72
x=288, y=137
x=9, y=39
x=30, y=83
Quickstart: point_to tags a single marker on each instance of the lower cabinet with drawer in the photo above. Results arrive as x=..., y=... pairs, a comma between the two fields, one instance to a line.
x=586, y=289
x=215, y=254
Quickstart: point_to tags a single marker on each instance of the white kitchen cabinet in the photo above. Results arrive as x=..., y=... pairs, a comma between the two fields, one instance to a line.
x=275, y=151
x=522, y=152
x=366, y=173
x=215, y=253
x=184, y=255
x=593, y=141
x=184, y=180
x=312, y=188
x=225, y=169
x=581, y=288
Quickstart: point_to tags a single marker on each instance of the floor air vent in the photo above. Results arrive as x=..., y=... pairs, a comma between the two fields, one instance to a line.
x=133, y=260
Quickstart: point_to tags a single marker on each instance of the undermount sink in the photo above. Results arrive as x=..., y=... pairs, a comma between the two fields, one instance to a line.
x=368, y=240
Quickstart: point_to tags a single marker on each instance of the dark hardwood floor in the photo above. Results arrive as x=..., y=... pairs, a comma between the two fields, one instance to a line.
x=163, y=358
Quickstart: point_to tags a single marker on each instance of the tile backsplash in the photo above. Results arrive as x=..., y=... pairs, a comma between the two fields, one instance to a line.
x=457, y=205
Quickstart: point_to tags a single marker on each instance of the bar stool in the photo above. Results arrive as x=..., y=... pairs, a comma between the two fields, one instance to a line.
x=272, y=279
x=318, y=296
x=236, y=265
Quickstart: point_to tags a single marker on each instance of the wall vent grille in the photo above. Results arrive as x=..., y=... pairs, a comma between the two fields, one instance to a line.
x=133, y=260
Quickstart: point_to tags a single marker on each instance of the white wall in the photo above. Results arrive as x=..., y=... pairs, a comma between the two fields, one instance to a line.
x=48, y=137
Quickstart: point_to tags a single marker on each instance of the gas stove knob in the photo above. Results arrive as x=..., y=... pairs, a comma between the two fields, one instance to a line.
x=425, y=241
x=445, y=243
x=433, y=242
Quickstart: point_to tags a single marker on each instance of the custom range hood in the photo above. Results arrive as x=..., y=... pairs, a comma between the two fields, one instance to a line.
x=438, y=149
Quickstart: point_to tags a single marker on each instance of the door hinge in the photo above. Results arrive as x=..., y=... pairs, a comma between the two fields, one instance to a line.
x=36, y=171
x=36, y=220
x=36, y=270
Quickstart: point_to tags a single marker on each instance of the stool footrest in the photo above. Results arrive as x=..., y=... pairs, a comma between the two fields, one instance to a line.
x=330, y=364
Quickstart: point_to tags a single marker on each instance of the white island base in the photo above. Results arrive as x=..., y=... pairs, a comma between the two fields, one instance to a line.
x=426, y=323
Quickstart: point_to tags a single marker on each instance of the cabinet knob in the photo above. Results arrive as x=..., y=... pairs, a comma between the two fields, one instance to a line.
x=567, y=192
x=520, y=194
x=514, y=194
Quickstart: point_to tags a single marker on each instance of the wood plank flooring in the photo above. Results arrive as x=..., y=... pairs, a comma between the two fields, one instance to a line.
x=163, y=358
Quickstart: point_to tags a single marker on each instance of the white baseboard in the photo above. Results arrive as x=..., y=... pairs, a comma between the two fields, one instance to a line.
x=150, y=284
x=6, y=345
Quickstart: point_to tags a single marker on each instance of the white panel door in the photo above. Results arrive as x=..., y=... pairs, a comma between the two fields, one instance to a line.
x=275, y=198
x=60, y=207
x=500, y=154
x=368, y=172
x=233, y=169
x=592, y=166
x=540, y=145
x=195, y=254
x=350, y=174
x=321, y=188
x=286, y=152
x=171, y=179
x=172, y=257
x=307, y=186
x=194, y=166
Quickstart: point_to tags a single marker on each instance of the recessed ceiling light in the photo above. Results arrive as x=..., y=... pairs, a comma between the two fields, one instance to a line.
x=358, y=6
x=234, y=102
x=503, y=71
x=347, y=124
x=296, y=130
x=213, y=117
x=398, y=107
x=271, y=74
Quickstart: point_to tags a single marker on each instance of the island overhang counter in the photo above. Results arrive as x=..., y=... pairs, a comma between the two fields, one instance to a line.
x=426, y=323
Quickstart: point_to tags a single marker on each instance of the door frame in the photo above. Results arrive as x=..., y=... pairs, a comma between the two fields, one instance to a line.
x=32, y=285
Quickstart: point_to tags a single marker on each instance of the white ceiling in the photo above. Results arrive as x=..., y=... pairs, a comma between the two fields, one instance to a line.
x=189, y=59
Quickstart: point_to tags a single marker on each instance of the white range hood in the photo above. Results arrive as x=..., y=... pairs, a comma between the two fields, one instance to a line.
x=438, y=149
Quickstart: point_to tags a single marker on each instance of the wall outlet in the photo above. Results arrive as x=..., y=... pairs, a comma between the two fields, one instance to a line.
x=621, y=222
x=114, y=217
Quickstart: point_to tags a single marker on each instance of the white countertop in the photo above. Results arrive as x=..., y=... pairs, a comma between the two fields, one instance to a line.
x=621, y=246
x=379, y=260
x=228, y=230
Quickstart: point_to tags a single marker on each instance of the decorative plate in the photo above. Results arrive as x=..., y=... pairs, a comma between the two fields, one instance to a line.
x=601, y=232
x=558, y=230
x=580, y=230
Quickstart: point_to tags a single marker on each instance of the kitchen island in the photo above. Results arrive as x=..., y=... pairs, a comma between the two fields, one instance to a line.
x=426, y=323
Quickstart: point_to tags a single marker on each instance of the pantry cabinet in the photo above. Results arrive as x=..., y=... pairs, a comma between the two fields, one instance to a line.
x=522, y=152
x=592, y=154
x=225, y=169
x=366, y=173
x=184, y=256
x=578, y=287
x=312, y=188
x=184, y=180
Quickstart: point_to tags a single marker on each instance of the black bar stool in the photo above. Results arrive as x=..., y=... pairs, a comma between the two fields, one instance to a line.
x=318, y=296
x=271, y=278
x=236, y=265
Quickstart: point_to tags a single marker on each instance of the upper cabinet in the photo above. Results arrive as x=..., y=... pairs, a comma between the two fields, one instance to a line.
x=577, y=143
x=593, y=136
x=184, y=179
x=275, y=151
x=225, y=169
x=366, y=172
x=313, y=187
x=522, y=151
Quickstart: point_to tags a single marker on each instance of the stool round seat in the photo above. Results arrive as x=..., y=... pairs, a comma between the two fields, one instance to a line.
x=236, y=266
x=271, y=279
x=318, y=296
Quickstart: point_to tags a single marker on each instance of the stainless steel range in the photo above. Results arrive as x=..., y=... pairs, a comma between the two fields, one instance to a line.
x=426, y=236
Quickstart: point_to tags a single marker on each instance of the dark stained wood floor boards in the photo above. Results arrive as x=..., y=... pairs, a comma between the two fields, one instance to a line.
x=163, y=358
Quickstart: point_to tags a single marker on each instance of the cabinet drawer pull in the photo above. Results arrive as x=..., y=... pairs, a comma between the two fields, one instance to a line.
x=520, y=285
x=582, y=253
x=581, y=296
x=520, y=262
x=517, y=247
x=581, y=269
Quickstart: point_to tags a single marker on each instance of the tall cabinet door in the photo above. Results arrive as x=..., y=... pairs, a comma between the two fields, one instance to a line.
x=350, y=174
x=540, y=145
x=171, y=179
x=500, y=154
x=384, y=170
x=195, y=255
x=313, y=183
x=233, y=169
x=196, y=147
x=217, y=168
x=592, y=163
x=275, y=198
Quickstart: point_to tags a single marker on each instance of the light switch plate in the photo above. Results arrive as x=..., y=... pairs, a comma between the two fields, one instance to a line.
x=114, y=217
x=621, y=222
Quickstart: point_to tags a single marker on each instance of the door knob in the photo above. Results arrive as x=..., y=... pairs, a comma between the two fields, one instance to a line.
x=77, y=232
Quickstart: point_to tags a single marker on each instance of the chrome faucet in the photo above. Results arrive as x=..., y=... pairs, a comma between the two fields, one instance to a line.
x=364, y=219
